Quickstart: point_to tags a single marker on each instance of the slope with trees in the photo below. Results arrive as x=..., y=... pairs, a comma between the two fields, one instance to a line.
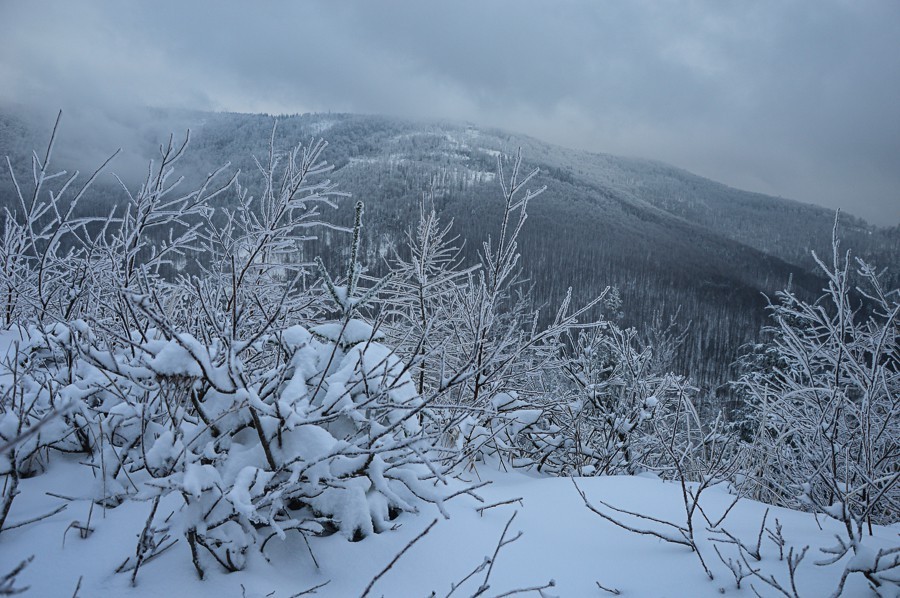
x=216, y=361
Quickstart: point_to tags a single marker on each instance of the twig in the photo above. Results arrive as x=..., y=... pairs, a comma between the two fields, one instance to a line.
x=8, y=581
x=62, y=496
x=792, y=562
x=124, y=568
x=35, y=519
x=777, y=538
x=647, y=532
x=538, y=589
x=481, y=510
x=613, y=591
x=475, y=571
x=736, y=568
x=311, y=590
x=397, y=558
x=500, y=544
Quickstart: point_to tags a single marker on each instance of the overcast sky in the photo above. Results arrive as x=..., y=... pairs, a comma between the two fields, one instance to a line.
x=790, y=98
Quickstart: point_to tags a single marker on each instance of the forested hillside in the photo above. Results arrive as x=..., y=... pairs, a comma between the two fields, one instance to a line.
x=672, y=243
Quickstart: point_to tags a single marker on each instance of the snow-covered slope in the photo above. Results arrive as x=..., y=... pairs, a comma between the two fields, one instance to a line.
x=561, y=541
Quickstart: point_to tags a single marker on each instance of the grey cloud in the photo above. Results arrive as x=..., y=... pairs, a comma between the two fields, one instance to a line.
x=797, y=99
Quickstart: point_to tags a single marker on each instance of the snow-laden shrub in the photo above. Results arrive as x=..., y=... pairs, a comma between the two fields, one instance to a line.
x=579, y=395
x=251, y=403
x=823, y=408
x=476, y=326
x=251, y=451
x=823, y=413
x=612, y=409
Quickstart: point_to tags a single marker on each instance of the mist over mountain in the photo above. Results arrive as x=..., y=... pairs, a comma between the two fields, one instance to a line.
x=672, y=243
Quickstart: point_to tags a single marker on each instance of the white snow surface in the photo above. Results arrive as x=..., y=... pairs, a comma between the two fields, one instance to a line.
x=355, y=331
x=562, y=540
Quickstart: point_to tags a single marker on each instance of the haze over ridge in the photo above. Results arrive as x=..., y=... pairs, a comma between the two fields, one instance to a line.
x=796, y=100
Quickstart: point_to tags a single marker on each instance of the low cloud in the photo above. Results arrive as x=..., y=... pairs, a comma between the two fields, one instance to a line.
x=791, y=99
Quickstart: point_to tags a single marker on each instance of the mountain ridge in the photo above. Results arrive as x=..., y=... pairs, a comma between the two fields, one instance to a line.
x=671, y=241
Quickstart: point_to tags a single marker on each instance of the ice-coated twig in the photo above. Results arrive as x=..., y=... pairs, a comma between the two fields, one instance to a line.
x=58, y=509
x=538, y=589
x=311, y=590
x=777, y=538
x=793, y=561
x=396, y=558
x=613, y=591
x=668, y=537
x=8, y=580
x=736, y=568
x=731, y=539
x=502, y=542
x=481, y=510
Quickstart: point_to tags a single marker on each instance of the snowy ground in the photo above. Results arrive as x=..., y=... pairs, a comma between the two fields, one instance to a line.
x=562, y=540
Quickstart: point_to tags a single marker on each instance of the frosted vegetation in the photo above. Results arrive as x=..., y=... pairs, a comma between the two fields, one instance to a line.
x=229, y=397
x=672, y=243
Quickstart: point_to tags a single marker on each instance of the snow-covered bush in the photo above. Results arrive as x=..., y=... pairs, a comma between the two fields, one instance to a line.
x=824, y=412
x=259, y=405
x=580, y=395
x=825, y=405
x=35, y=407
x=421, y=304
x=476, y=326
x=613, y=409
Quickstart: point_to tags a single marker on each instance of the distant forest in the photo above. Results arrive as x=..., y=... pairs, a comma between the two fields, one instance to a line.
x=673, y=245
